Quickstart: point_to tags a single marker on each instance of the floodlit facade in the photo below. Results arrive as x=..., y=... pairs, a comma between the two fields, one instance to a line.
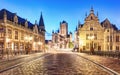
x=93, y=35
x=61, y=39
x=19, y=35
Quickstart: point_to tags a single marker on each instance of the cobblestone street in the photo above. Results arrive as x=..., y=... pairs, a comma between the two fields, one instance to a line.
x=57, y=64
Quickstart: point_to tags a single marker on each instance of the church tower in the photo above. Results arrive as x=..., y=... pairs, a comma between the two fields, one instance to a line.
x=42, y=30
x=64, y=28
x=41, y=25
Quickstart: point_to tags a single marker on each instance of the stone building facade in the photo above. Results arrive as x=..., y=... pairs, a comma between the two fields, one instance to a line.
x=93, y=35
x=19, y=35
x=61, y=39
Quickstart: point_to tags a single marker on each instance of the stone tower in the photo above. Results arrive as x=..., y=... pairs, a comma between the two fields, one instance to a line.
x=64, y=28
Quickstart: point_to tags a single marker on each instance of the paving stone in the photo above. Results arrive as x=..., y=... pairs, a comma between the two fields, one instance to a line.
x=58, y=64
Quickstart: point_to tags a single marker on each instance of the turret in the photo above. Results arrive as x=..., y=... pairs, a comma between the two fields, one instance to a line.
x=15, y=19
x=91, y=11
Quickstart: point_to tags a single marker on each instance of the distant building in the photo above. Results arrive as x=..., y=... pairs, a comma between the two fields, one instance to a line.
x=19, y=35
x=61, y=39
x=48, y=44
x=93, y=35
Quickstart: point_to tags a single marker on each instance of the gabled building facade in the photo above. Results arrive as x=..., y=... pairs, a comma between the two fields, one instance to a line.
x=19, y=35
x=94, y=35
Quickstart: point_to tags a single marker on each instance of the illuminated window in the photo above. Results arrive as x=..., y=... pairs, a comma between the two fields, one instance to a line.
x=95, y=36
x=9, y=33
x=109, y=38
x=22, y=36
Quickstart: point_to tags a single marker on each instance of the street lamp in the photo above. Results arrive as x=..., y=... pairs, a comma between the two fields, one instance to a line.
x=91, y=43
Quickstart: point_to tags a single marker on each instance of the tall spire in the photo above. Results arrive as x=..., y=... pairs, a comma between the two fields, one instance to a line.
x=41, y=22
x=92, y=10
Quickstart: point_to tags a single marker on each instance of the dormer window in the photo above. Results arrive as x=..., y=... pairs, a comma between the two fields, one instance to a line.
x=15, y=19
x=26, y=24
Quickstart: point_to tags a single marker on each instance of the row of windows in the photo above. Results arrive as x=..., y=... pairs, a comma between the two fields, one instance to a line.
x=109, y=39
x=16, y=35
x=91, y=36
x=94, y=37
x=110, y=47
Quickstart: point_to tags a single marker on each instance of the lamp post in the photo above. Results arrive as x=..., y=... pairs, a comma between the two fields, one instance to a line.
x=91, y=43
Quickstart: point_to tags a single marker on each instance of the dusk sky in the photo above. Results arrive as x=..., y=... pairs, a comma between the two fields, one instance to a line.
x=55, y=11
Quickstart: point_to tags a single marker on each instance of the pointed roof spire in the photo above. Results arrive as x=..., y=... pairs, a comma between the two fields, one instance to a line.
x=41, y=22
x=92, y=10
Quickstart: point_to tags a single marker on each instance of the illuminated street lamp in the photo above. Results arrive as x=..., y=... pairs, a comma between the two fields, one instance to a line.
x=91, y=45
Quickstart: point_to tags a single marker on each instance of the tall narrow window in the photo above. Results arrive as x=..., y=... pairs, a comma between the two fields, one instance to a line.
x=16, y=35
x=9, y=33
x=117, y=48
x=117, y=38
x=95, y=36
x=110, y=38
x=22, y=36
x=107, y=38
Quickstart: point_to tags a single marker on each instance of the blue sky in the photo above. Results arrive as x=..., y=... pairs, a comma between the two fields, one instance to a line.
x=55, y=11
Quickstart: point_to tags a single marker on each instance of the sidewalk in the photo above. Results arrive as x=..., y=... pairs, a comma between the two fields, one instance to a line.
x=17, y=56
x=109, y=62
